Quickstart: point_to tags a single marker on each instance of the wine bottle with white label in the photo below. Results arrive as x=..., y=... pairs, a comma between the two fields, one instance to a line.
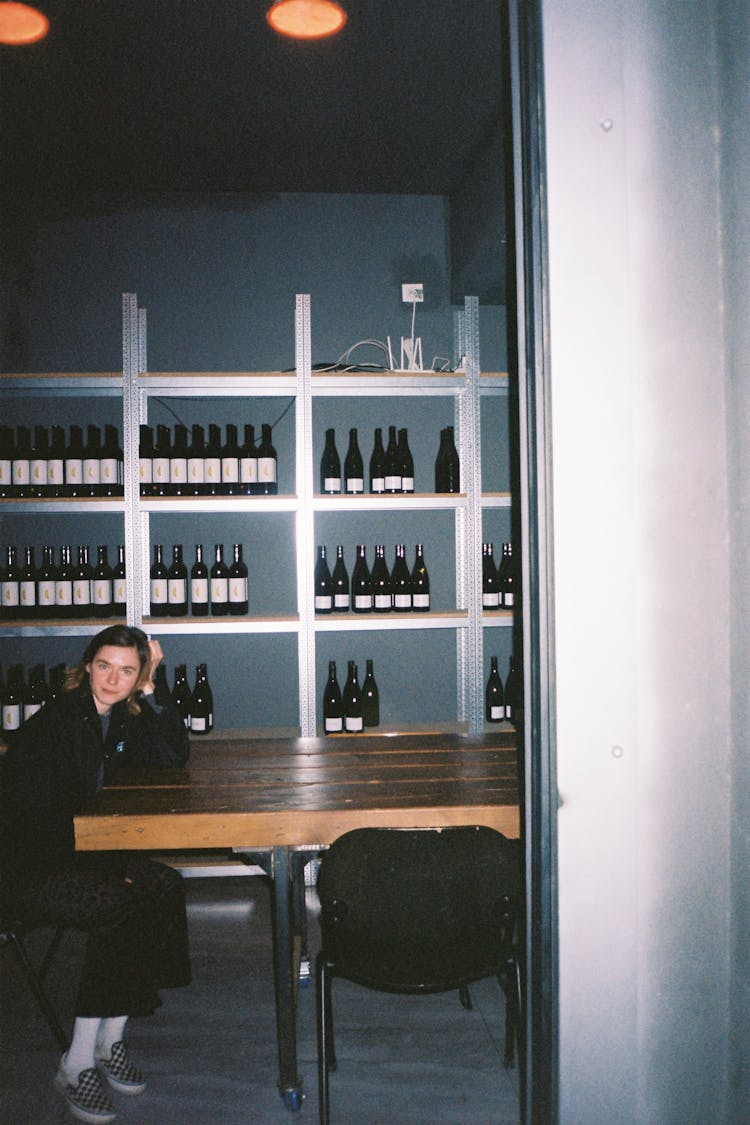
x=199, y=584
x=178, y=461
x=333, y=706
x=377, y=464
x=92, y=463
x=45, y=583
x=370, y=698
x=494, y=695
x=119, y=584
x=341, y=598
x=27, y=590
x=238, y=600
x=248, y=462
x=407, y=462
x=64, y=585
x=82, y=576
x=101, y=585
x=490, y=587
x=74, y=462
x=161, y=484
x=330, y=466
x=361, y=589
x=196, y=463
x=158, y=584
x=230, y=462
x=145, y=460
x=381, y=582
x=38, y=463
x=392, y=463
x=505, y=578
x=201, y=703
x=219, y=583
x=267, y=467
x=21, y=462
x=181, y=693
x=354, y=473
x=11, y=585
x=177, y=578
x=420, y=583
x=352, y=700
x=323, y=583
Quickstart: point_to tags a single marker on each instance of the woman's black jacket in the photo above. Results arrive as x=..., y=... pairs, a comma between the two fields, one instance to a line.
x=59, y=758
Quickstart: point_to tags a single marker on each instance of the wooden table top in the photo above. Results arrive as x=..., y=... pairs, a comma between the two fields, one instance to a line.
x=263, y=793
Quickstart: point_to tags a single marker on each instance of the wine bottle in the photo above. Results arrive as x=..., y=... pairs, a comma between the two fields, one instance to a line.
x=101, y=585
x=199, y=584
x=352, y=701
x=158, y=584
x=323, y=583
x=401, y=582
x=248, y=462
x=56, y=463
x=178, y=461
x=370, y=698
x=212, y=462
x=238, y=599
x=64, y=585
x=513, y=693
x=505, y=578
x=392, y=463
x=361, y=590
x=74, y=462
x=354, y=473
x=21, y=463
x=6, y=462
x=230, y=462
x=45, y=583
x=56, y=679
x=494, y=695
x=381, y=582
x=267, y=474
x=196, y=463
x=181, y=693
x=27, y=587
x=82, y=577
x=145, y=460
x=119, y=584
x=177, y=598
x=12, y=702
x=333, y=705
x=38, y=463
x=162, y=457
x=340, y=583
x=92, y=466
x=420, y=583
x=34, y=693
x=490, y=591
x=447, y=468
x=11, y=585
x=407, y=462
x=377, y=464
x=330, y=466
x=111, y=467
x=201, y=703
x=219, y=583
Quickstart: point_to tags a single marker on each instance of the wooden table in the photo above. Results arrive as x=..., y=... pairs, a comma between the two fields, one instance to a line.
x=281, y=796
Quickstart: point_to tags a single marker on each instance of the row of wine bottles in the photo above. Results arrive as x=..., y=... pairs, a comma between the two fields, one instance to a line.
x=220, y=590
x=372, y=591
x=502, y=700
x=498, y=582
x=391, y=468
x=356, y=707
x=22, y=696
x=39, y=462
x=71, y=588
x=196, y=465
x=197, y=705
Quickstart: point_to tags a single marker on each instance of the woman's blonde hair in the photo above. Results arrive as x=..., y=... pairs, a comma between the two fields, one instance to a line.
x=123, y=636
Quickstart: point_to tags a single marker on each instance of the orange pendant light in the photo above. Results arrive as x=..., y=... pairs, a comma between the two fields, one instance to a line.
x=20, y=23
x=306, y=19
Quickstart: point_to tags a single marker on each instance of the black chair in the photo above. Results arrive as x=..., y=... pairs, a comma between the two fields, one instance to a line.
x=414, y=911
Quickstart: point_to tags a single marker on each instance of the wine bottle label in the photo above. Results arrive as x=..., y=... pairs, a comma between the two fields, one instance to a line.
x=73, y=470
x=508, y=601
x=393, y=483
x=490, y=601
x=5, y=472
x=248, y=470
x=332, y=484
x=145, y=470
x=160, y=470
x=383, y=601
x=333, y=726
x=212, y=470
x=178, y=470
x=196, y=468
x=341, y=601
x=267, y=469
x=199, y=591
x=176, y=592
x=55, y=471
x=46, y=592
x=119, y=591
x=91, y=470
x=508, y=711
x=219, y=590
x=101, y=589
x=28, y=594
x=11, y=716
x=38, y=469
x=64, y=593
x=238, y=589
x=354, y=723
x=323, y=601
x=497, y=713
x=403, y=601
x=159, y=591
x=21, y=472
x=355, y=484
x=108, y=470
x=30, y=709
x=10, y=594
x=378, y=484
x=200, y=723
x=363, y=601
x=81, y=591
x=230, y=470
x=407, y=484
x=421, y=601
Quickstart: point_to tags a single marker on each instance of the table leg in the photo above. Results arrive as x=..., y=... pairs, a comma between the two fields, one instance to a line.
x=290, y=1084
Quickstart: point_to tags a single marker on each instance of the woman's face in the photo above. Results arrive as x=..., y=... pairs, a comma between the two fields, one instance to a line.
x=113, y=674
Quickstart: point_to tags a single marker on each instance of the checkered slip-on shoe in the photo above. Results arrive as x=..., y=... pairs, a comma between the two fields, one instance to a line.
x=88, y=1099
x=120, y=1072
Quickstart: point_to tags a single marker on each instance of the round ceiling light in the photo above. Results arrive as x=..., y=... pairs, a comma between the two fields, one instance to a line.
x=306, y=19
x=20, y=23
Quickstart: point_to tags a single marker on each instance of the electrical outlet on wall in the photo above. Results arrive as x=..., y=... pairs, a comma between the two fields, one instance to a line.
x=412, y=292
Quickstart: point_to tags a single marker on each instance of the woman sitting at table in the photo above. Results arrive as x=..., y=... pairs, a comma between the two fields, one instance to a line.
x=109, y=713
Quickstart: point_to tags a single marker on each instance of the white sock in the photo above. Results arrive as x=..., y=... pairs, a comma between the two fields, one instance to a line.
x=80, y=1053
x=111, y=1031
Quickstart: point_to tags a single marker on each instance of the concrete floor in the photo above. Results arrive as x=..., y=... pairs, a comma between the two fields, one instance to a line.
x=210, y=1052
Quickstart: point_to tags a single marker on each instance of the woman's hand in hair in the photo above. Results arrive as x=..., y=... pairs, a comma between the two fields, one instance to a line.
x=156, y=655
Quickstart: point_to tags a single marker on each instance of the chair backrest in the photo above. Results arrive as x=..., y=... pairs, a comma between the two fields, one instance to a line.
x=420, y=909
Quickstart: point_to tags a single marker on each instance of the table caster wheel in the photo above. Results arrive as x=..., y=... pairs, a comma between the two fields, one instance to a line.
x=293, y=1099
